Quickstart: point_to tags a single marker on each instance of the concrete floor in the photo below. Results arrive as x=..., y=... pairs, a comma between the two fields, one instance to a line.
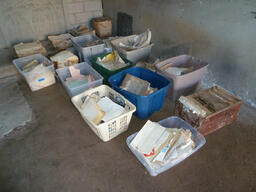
x=61, y=153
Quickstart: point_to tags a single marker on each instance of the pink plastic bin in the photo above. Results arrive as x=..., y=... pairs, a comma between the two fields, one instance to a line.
x=187, y=83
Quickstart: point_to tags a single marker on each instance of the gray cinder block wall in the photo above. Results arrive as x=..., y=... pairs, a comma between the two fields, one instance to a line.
x=221, y=32
x=26, y=20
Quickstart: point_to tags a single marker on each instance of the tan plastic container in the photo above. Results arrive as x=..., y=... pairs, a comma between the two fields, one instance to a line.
x=183, y=84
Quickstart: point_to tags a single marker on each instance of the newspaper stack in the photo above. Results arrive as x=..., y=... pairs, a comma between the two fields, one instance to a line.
x=62, y=41
x=100, y=109
x=64, y=59
x=136, y=85
x=160, y=145
x=26, y=49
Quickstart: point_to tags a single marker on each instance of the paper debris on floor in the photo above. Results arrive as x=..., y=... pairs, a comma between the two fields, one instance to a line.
x=26, y=49
x=176, y=70
x=82, y=30
x=160, y=145
x=100, y=110
x=112, y=61
x=136, y=85
x=77, y=79
x=62, y=41
x=64, y=59
x=139, y=41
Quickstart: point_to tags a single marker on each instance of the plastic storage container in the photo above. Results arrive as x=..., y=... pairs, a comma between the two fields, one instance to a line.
x=187, y=83
x=170, y=122
x=146, y=105
x=105, y=72
x=86, y=52
x=134, y=55
x=35, y=80
x=108, y=130
x=85, y=69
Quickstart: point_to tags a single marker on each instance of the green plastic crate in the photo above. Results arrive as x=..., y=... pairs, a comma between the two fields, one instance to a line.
x=105, y=72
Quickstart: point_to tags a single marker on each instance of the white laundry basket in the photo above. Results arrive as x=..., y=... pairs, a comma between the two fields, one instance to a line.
x=36, y=80
x=108, y=130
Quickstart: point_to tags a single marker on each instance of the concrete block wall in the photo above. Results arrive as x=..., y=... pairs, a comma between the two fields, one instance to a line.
x=221, y=32
x=81, y=11
x=28, y=20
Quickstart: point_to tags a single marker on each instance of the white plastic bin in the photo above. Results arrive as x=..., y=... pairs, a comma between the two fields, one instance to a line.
x=134, y=55
x=86, y=52
x=187, y=83
x=174, y=122
x=108, y=130
x=85, y=69
x=35, y=80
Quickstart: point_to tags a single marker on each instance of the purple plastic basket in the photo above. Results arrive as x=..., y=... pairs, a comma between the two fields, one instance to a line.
x=187, y=83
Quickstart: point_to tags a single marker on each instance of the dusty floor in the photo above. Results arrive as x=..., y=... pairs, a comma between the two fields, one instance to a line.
x=61, y=153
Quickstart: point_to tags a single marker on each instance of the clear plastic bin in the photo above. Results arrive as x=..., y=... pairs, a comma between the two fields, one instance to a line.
x=86, y=52
x=35, y=80
x=170, y=122
x=85, y=69
x=187, y=83
x=134, y=55
x=108, y=130
x=146, y=105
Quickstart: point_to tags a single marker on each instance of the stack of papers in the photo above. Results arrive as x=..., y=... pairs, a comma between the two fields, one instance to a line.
x=169, y=68
x=64, y=59
x=159, y=145
x=93, y=43
x=77, y=79
x=33, y=66
x=112, y=61
x=62, y=41
x=99, y=110
x=136, y=85
x=139, y=41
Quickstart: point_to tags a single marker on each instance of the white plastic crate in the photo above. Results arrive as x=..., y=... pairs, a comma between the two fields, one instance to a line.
x=36, y=80
x=86, y=52
x=108, y=130
x=134, y=55
x=169, y=122
x=85, y=69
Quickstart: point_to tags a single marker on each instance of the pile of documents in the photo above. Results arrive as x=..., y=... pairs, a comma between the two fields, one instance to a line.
x=136, y=85
x=169, y=68
x=64, y=59
x=38, y=74
x=82, y=30
x=93, y=43
x=77, y=79
x=100, y=109
x=26, y=49
x=137, y=42
x=159, y=145
x=34, y=65
x=112, y=61
x=62, y=41
x=149, y=63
